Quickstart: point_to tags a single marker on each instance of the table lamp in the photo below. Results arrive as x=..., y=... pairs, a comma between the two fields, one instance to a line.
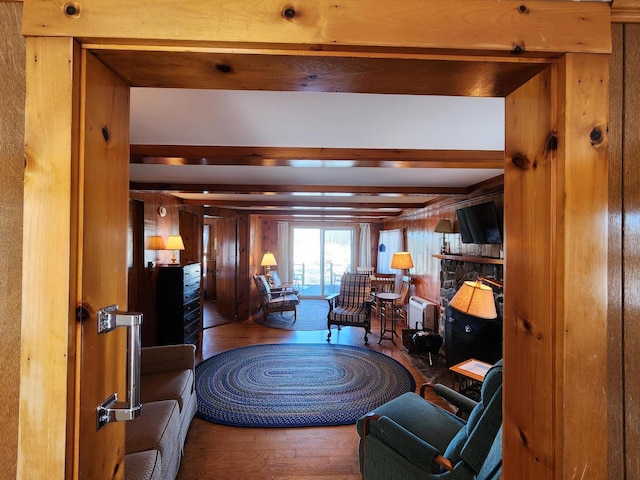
x=174, y=242
x=443, y=227
x=268, y=261
x=475, y=299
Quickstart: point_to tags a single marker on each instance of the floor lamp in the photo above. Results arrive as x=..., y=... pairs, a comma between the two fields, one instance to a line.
x=401, y=261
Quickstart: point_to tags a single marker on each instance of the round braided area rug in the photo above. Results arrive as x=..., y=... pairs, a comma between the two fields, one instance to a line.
x=295, y=385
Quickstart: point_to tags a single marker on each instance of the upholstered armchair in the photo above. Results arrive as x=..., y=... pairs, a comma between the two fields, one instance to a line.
x=410, y=437
x=280, y=302
x=351, y=307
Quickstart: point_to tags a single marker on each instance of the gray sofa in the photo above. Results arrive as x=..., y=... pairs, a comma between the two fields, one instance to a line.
x=155, y=440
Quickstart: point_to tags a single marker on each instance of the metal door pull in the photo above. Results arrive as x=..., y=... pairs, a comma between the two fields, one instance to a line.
x=110, y=318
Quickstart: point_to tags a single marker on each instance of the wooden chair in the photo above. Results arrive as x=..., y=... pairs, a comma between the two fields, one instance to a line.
x=367, y=270
x=281, y=302
x=400, y=304
x=351, y=307
x=382, y=283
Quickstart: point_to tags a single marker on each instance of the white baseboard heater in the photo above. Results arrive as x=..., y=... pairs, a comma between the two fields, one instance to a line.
x=423, y=314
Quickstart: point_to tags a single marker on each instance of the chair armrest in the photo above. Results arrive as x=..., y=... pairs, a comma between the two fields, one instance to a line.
x=410, y=446
x=463, y=403
x=167, y=357
x=281, y=290
x=332, y=300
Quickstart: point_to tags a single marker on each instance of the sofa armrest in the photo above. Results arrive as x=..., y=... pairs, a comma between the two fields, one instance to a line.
x=167, y=357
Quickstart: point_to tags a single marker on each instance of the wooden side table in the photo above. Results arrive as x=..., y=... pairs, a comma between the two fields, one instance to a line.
x=469, y=376
x=386, y=302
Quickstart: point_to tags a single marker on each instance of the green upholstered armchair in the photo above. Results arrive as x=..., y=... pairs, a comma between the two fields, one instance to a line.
x=352, y=305
x=410, y=438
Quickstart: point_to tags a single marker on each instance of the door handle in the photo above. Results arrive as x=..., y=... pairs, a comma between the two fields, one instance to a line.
x=111, y=410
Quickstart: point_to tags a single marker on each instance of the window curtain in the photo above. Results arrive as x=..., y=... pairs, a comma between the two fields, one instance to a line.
x=389, y=243
x=364, y=257
x=283, y=251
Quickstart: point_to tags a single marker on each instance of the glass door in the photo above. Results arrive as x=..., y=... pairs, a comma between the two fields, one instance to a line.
x=320, y=257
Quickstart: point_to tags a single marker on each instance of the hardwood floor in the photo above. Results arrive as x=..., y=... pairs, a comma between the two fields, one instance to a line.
x=321, y=453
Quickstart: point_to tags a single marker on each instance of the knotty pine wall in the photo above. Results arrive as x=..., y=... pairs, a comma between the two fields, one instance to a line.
x=143, y=278
x=423, y=242
x=12, y=159
x=420, y=240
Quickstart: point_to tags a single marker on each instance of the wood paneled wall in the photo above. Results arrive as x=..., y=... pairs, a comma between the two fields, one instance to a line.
x=624, y=255
x=154, y=224
x=12, y=96
x=420, y=239
x=423, y=242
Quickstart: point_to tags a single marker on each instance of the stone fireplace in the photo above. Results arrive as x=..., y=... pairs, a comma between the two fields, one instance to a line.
x=454, y=270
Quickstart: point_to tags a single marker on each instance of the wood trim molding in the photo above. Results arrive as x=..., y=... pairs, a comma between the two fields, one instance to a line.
x=625, y=11
x=478, y=26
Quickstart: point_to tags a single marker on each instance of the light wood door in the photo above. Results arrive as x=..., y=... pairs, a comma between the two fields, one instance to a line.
x=103, y=198
x=75, y=243
x=227, y=267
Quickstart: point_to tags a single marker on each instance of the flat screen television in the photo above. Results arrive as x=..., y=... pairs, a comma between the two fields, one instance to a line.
x=480, y=223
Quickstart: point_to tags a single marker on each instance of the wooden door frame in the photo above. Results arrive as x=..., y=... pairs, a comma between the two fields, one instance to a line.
x=556, y=317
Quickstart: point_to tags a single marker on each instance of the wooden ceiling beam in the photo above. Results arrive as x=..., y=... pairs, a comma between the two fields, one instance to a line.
x=310, y=204
x=310, y=156
x=320, y=212
x=274, y=189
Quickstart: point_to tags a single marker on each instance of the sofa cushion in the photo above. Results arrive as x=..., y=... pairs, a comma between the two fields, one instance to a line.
x=157, y=428
x=170, y=385
x=143, y=465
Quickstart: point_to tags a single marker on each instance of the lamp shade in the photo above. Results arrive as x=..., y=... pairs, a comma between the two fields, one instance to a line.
x=155, y=242
x=268, y=260
x=401, y=261
x=444, y=226
x=475, y=299
x=174, y=242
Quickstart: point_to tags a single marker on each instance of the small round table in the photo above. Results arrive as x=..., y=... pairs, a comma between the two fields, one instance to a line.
x=387, y=299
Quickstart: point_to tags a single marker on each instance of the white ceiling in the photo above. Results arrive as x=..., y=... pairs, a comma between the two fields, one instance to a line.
x=305, y=119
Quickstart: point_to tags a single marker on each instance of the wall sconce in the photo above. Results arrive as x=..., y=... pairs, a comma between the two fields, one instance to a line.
x=174, y=242
x=443, y=227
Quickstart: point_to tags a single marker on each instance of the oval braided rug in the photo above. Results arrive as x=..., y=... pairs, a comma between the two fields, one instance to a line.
x=295, y=385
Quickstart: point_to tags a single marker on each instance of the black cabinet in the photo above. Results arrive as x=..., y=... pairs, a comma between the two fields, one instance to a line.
x=471, y=337
x=179, y=313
